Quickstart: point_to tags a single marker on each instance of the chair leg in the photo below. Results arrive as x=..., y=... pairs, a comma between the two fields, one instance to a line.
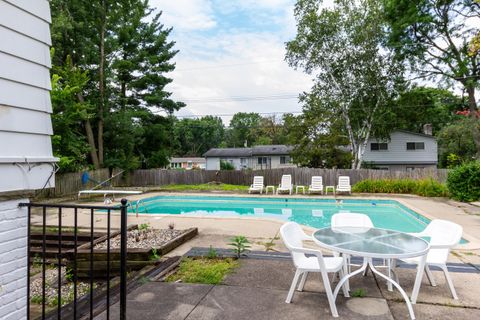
x=346, y=285
x=302, y=281
x=389, y=267
x=328, y=291
x=292, y=287
x=430, y=277
x=449, y=281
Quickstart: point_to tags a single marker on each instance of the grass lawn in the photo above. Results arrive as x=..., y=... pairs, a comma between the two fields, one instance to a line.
x=204, y=187
x=207, y=271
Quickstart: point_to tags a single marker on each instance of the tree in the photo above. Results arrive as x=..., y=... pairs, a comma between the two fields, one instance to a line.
x=355, y=77
x=243, y=128
x=433, y=36
x=194, y=137
x=455, y=143
x=418, y=106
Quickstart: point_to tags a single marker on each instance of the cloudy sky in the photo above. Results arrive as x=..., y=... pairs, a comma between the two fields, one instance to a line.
x=231, y=56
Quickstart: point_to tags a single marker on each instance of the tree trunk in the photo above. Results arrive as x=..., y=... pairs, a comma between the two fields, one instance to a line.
x=90, y=138
x=101, y=74
x=472, y=105
x=91, y=142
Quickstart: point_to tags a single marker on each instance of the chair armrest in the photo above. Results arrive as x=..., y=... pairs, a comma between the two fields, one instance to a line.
x=307, y=251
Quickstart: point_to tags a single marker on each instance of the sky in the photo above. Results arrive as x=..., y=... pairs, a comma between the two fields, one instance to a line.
x=231, y=56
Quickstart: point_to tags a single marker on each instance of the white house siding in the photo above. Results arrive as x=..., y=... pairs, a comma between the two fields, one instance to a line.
x=26, y=160
x=398, y=157
x=212, y=163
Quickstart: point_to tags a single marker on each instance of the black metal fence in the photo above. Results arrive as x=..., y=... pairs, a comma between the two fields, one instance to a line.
x=51, y=256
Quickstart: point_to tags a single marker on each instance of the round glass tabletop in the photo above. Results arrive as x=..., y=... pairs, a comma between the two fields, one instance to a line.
x=371, y=242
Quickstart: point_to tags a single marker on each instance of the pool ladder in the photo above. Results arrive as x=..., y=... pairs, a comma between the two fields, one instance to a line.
x=137, y=206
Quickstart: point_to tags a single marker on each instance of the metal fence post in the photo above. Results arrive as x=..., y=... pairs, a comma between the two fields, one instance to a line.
x=123, y=260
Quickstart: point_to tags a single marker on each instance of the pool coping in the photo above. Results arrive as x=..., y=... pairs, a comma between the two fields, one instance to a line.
x=473, y=242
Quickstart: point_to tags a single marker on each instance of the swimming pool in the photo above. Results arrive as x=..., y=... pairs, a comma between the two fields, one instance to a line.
x=317, y=213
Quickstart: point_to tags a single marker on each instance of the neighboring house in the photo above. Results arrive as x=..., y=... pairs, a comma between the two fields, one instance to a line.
x=258, y=157
x=404, y=151
x=26, y=161
x=187, y=163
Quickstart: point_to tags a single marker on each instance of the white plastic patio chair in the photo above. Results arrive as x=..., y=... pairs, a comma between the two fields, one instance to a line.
x=285, y=184
x=444, y=235
x=292, y=236
x=257, y=185
x=316, y=185
x=344, y=184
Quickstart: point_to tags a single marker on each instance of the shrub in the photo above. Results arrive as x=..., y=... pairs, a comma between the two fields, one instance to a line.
x=225, y=165
x=424, y=187
x=463, y=182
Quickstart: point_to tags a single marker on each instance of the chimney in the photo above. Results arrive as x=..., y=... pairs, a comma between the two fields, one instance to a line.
x=427, y=129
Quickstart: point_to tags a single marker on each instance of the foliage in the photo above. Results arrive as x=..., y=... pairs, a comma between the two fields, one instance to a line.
x=154, y=254
x=207, y=271
x=243, y=128
x=204, y=187
x=121, y=53
x=418, y=106
x=143, y=226
x=240, y=245
x=434, y=37
x=359, y=293
x=356, y=78
x=225, y=165
x=456, y=144
x=422, y=187
x=212, y=253
x=194, y=137
x=464, y=182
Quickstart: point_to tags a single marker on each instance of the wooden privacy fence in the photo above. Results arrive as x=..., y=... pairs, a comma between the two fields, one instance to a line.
x=300, y=176
x=70, y=183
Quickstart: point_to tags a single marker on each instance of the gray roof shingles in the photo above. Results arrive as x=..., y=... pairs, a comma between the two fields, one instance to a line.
x=248, y=152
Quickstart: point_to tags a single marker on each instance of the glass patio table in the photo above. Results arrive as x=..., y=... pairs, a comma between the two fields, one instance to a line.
x=372, y=243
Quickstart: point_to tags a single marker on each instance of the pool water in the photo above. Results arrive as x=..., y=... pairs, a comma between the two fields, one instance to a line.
x=317, y=213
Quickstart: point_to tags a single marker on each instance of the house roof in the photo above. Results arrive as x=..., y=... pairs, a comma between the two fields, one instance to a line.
x=416, y=133
x=248, y=152
x=188, y=159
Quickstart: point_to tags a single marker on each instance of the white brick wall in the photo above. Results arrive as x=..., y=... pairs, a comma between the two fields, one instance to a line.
x=13, y=260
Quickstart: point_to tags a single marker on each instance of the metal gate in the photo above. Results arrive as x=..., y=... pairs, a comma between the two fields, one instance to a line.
x=48, y=222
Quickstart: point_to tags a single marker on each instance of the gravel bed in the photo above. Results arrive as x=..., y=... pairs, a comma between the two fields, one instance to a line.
x=51, y=288
x=143, y=239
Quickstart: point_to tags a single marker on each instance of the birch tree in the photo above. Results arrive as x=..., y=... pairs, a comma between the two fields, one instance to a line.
x=354, y=75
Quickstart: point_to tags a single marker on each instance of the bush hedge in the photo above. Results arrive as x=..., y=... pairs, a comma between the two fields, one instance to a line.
x=423, y=187
x=463, y=182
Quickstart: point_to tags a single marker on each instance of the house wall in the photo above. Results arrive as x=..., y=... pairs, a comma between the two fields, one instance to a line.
x=212, y=163
x=397, y=153
x=26, y=160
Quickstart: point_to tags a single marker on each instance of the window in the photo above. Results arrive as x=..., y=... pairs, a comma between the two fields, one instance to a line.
x=409, y=169
x=284, y=159
x=262, y=160
x=415, y=146
x=377, y=146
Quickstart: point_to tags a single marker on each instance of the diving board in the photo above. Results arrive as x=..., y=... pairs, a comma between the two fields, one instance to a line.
x=108, y=192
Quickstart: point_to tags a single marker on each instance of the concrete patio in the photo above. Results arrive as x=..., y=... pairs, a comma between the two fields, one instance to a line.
x=258, y=288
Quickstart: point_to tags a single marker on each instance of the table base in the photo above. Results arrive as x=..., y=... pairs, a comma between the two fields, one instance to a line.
x=368, y=262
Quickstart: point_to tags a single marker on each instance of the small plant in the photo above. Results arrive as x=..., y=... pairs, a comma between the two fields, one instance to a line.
x=143, y=226
x=154, y=255
x=270, y=245
x=171, y=225
x=212, y=253
x=240, y=245
x=69, y=274
x=36, y=299
x=359, y=293
x=464, y=182
x=208, y=271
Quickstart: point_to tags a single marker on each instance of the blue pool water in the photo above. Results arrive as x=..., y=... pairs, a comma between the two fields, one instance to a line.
x=317, y=213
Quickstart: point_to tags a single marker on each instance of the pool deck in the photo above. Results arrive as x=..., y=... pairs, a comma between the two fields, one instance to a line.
x=216, y=231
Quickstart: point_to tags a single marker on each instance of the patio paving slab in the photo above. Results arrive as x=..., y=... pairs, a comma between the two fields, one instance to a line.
x=238, y=303
x=278, y=274
x=433, y=312
x=465, y=284
x=161, y=300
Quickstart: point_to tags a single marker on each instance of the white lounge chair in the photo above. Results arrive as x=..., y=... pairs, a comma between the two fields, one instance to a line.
x=285, y=184
x=344, y=184
x=444, y=235
x=293, y=235
x=316, y=185
x=257, y=185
